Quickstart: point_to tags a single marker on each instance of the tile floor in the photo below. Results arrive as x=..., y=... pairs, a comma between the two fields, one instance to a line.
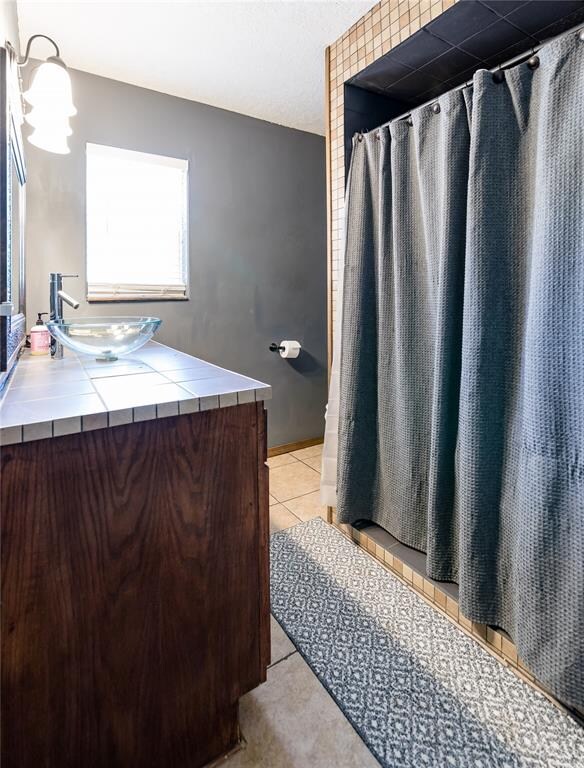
x=294, y=488
x=291, y=721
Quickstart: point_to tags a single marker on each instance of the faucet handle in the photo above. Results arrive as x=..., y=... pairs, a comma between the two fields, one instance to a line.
x=69, y=275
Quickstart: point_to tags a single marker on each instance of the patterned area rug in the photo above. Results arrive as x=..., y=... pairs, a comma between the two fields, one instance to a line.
x=417, y=689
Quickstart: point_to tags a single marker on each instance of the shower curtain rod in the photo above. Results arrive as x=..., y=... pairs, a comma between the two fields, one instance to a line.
x=531, y=55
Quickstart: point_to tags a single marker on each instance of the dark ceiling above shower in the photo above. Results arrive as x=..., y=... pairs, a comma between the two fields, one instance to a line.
x=472, y=34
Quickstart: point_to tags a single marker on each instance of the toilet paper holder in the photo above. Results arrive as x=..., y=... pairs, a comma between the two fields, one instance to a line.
x=287, y=349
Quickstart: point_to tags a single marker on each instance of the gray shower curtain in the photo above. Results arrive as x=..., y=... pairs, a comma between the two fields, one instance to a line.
x=461, y=427
x=402, y=321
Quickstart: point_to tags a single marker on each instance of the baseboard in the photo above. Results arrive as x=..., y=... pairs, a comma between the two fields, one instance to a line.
x=289, y=447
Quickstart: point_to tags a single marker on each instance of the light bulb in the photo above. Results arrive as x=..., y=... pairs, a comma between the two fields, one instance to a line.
x=51, y=89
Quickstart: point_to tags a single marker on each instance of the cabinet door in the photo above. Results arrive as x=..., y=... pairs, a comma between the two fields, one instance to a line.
x=135, y=595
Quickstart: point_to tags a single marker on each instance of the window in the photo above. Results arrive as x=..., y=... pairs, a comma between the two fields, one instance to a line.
x=137, y=245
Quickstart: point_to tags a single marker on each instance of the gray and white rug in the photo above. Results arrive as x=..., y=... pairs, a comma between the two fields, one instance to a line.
x=417, y=689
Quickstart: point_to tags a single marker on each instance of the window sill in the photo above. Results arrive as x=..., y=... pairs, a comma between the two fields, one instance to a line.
x=117, y=299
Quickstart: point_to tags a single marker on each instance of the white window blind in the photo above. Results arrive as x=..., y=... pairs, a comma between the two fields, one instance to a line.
x=137, y=215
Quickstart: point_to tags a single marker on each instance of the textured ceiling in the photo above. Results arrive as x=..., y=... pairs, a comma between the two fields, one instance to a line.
x=263, y=59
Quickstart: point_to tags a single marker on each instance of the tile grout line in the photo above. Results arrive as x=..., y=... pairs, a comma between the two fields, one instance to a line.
x=295, y=459
x=275, y=664
x=281, y=504
x=300, y=496
x=293, y=515
x=308, y=465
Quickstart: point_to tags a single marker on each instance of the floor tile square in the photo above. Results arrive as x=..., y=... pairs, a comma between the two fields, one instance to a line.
x=315, y=462
x=293, y=480
x=281, y=518
x=281, y=460
x=291, y=722
x=307, y=507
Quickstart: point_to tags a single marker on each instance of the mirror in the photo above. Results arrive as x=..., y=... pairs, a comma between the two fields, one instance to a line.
x=15, y=256
x=12, y=217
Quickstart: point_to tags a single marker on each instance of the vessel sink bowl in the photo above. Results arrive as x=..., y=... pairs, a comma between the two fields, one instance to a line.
x=105, y=338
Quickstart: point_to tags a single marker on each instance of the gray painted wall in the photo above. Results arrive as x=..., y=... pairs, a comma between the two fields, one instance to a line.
x=257, y=237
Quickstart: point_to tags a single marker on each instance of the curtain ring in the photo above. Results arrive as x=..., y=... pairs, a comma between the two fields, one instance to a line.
x=581, y=35
x=436, y=108
x=410, y=121
x=359, y=137
x=498, y=76
x=378, y=135
x=533, y=62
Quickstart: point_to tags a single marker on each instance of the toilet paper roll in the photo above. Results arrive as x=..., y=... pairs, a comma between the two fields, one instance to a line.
x=290, y=349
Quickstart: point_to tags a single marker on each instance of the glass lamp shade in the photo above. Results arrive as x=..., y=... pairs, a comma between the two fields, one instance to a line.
x=38, y=117
x=50, y=139
x=50, y=90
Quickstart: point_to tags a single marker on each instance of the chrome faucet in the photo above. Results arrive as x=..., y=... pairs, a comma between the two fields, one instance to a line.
x=56, y=298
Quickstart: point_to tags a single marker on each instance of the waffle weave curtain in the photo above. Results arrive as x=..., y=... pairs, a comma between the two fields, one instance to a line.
x=461, y=406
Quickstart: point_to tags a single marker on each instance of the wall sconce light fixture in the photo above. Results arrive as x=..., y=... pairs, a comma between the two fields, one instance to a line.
x=51, y=100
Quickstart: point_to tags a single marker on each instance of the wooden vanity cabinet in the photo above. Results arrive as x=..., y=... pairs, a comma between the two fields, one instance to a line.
x=135, y=591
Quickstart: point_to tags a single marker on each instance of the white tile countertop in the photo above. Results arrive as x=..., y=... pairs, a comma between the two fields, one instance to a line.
x=50, y=398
